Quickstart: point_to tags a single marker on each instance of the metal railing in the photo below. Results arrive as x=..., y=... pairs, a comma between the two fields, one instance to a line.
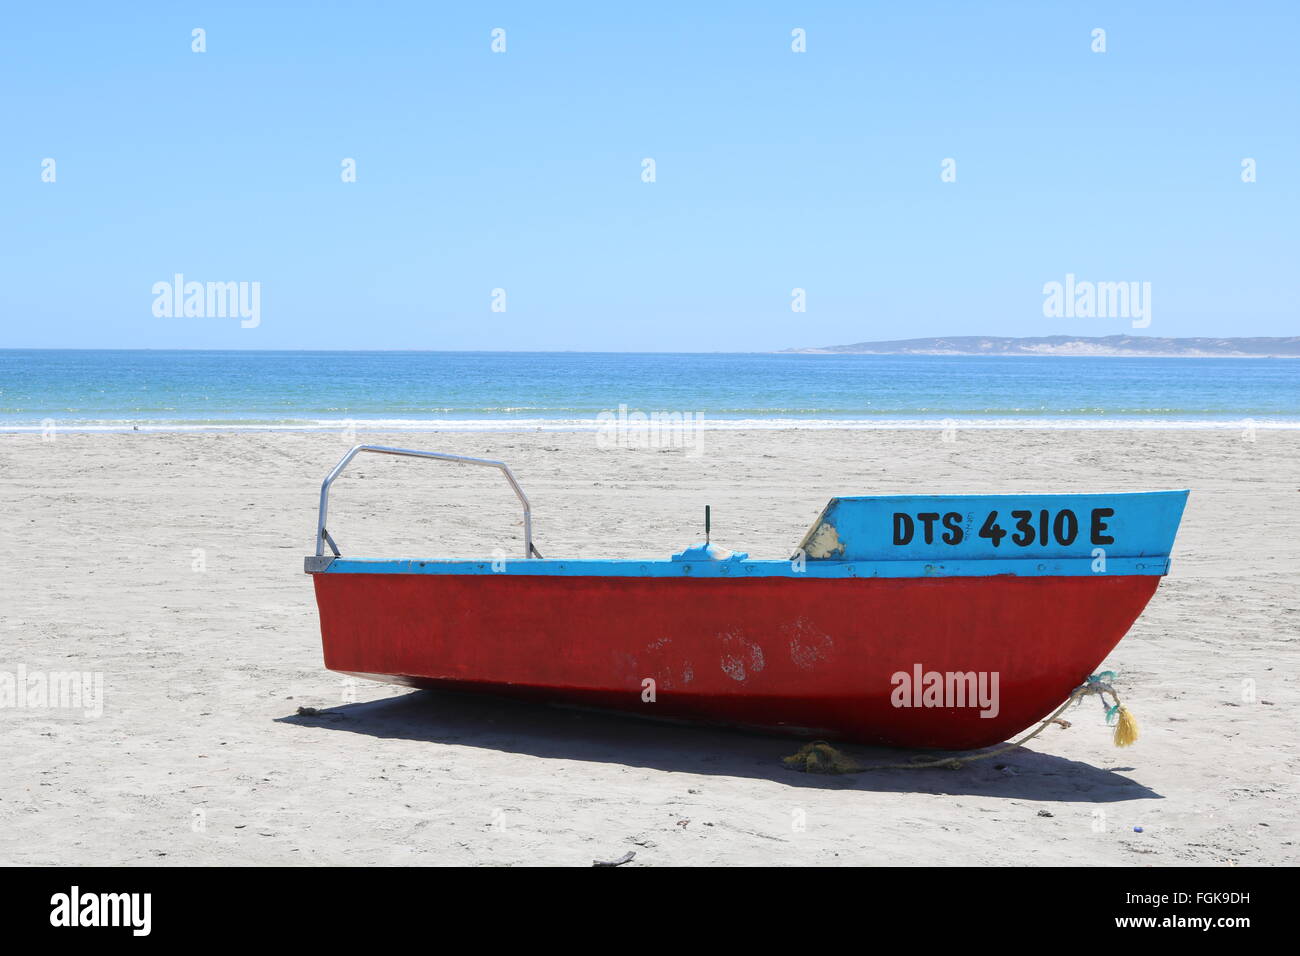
x=323, y=535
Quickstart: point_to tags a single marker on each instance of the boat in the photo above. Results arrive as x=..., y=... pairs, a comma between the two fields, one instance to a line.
x=930, y=621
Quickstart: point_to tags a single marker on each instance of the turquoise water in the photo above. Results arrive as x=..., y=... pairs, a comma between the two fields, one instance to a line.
x=561, y=390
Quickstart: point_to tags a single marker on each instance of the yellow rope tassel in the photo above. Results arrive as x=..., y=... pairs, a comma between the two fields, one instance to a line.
x=1126, y=728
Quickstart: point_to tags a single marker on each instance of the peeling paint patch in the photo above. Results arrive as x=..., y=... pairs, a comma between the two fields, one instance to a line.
x=741, y=657
x=734, y=668
x=808, y=645
x=657, y=662
x=824, y=542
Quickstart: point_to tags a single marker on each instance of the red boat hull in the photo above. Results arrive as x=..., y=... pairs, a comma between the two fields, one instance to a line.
x=805, y=656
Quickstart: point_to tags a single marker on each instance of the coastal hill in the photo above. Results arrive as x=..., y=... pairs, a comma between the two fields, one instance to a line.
x=1109, y=345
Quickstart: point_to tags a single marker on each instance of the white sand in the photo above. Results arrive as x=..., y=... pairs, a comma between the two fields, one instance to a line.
x=199, y=759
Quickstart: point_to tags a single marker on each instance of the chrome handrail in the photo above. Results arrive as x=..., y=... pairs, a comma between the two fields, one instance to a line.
x=323, y=536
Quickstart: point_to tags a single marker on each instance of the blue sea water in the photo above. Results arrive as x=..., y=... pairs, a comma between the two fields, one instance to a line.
x=568, y=390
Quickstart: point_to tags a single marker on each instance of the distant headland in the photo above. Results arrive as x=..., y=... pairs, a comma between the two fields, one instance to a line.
x=1105, y=345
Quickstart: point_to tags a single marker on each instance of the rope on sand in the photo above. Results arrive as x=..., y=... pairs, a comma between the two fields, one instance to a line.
x=821, y=757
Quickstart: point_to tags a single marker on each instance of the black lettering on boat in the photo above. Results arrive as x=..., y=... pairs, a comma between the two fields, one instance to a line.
x=992, y=530
x=1024, y=535
x=954, y=534
x=1099, y=528
x=1065, y=527
x=928, y=518
x=904, y=528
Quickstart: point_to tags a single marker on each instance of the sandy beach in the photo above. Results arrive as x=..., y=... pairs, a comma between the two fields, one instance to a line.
x=171, y=564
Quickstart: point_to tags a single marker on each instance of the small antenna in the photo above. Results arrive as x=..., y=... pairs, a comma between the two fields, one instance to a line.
x=706, y=524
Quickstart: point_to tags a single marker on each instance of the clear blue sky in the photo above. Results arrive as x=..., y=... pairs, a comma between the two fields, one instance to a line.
x=522, y=170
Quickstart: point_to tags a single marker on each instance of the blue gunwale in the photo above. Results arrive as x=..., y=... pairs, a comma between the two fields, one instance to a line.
x=613, y=568
x=858, y=537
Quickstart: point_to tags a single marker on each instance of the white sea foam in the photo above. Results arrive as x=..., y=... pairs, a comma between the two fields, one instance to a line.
x=719, y=424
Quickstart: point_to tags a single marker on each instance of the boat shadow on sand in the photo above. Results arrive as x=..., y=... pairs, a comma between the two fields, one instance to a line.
x=539, y=730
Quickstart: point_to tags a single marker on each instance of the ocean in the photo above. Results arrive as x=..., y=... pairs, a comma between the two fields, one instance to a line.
x=206, y=390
